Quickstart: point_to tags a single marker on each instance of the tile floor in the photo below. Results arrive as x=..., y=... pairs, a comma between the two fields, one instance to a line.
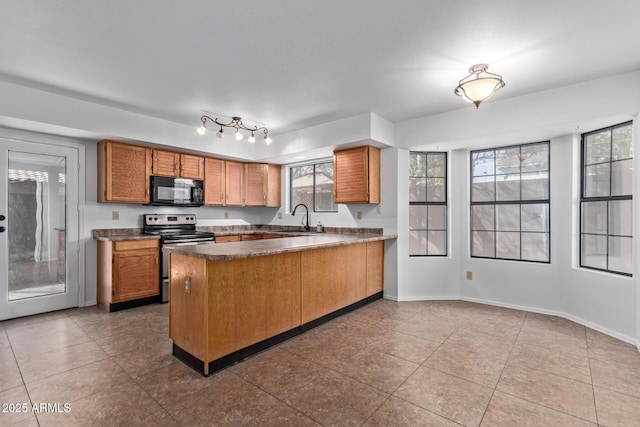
x=442, y=363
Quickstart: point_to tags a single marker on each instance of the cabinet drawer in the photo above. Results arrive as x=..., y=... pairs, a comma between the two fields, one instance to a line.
x=127, y=245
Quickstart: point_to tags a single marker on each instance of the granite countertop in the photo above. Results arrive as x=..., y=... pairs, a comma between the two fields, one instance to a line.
x=120, y=234
x=291, y=243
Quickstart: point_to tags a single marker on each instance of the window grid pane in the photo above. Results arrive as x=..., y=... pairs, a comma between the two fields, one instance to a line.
x=510, y=203
x=606, y=204
x=427, y=204
x=312, y=184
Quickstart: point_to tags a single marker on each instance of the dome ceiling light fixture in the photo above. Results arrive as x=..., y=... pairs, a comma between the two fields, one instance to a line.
x=479, y=85
x=236, y=123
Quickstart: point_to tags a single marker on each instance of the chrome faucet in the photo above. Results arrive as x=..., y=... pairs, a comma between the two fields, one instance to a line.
x=306, y=227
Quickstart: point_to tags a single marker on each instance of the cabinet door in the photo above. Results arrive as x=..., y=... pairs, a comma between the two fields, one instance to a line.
x=255, y=184
x=165, y=163
x=274, y=186
x=191, y=166
x=136, y=274
x=356, y=175
x=351, y=176
x=214, y=182
x=233, y=183
x=123, y=173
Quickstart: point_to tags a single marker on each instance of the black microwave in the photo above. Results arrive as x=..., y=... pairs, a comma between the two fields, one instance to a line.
x=167, y=191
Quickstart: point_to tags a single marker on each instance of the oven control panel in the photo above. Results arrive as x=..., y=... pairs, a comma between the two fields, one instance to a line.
x=169, y=219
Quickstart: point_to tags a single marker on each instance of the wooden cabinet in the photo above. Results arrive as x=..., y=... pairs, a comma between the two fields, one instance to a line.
x=123, y=173
x=214, y=182
x=233, y=308
x=262, y=185
x=274, y=187
x=356, y=175
x=165, y=163
x=178, y=165
x=234, y=173
x=128, y=270
x=227, y=239
x=191, y=166
x=375, y=267
x=255, y=184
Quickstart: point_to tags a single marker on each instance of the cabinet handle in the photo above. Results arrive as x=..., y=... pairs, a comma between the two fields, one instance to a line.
x=156, y=260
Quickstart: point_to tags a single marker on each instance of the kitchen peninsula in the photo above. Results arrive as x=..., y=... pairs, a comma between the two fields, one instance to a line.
x=228, y=301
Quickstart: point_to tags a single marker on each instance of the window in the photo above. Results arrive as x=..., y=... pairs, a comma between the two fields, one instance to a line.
x=510, y=203
x=427, y=204
x=312, y=184
x=606, y=199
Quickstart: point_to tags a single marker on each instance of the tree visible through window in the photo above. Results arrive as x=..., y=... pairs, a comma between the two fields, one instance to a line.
x=312, y=184
x=510, y=203
x=427, y=203
x=606, y=200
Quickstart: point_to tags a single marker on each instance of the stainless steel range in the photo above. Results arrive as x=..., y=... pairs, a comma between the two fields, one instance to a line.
x=174, y=230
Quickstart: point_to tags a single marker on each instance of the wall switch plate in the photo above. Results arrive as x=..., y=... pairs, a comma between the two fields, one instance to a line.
x=115, y=215
x=469, y=275
x=359, y=214
x=226, y=215
x=279, y=215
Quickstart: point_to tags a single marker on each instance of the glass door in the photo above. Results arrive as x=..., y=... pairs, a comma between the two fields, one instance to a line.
x=38, y=228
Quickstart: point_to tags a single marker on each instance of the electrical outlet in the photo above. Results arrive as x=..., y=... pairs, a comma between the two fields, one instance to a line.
x=359, y=214
x=469, y=275
x=226, y=215
x=115, y=215
x=379, y=208
x=279, y=215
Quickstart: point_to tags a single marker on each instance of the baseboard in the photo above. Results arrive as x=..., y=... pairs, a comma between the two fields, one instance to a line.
x=575, y=319
x=89, y=303
x=430, y=298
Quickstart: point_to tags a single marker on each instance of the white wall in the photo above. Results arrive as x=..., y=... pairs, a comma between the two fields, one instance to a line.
x=608, y=302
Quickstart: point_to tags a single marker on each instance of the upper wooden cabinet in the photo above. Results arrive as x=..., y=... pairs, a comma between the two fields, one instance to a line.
x=214, y=182
x=234, y=173
x=123, y=173
x=356, y=175
x=252, y=184
x=191, y=166
x=169, y=163
x=274, y=198
x=261, y=185
x=165, y=163
x=255, y=184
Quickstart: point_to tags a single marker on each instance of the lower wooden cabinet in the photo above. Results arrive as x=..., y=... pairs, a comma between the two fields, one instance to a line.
x=128, y=270
x=221, y=309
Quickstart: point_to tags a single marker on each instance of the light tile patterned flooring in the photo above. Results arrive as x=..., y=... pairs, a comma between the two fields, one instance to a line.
x=443, y=363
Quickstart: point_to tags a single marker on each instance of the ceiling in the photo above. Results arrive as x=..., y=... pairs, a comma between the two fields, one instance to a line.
x=290, y=64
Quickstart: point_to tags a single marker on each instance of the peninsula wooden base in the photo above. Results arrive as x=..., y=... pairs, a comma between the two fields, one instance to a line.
x=230, y=359
x=221, y=311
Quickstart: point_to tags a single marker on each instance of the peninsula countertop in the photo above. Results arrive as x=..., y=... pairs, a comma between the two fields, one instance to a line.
x=289, y=243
